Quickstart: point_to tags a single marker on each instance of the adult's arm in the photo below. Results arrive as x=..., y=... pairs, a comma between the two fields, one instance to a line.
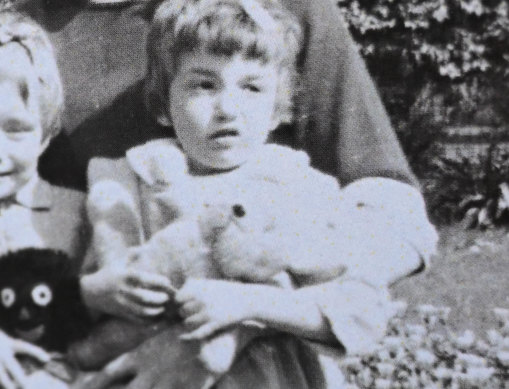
x=341, y=121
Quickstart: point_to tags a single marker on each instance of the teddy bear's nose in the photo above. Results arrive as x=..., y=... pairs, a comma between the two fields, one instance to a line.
x=238, y=210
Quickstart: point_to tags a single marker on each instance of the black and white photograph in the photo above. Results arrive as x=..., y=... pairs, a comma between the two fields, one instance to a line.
x=245, y=194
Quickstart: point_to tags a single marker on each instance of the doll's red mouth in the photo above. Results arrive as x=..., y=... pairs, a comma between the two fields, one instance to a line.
x=31, y=335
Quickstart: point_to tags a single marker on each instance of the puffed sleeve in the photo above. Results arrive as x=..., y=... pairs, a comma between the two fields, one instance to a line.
x=357, y=312
x=386, y=236
x=112, y=210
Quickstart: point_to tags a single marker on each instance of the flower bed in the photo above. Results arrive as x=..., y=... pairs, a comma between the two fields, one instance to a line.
x=428, y=354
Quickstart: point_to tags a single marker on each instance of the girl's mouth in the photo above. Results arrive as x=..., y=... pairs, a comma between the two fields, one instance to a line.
x=224, y=134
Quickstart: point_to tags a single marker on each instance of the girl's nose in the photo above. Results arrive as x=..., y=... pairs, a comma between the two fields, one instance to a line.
x=226, y=107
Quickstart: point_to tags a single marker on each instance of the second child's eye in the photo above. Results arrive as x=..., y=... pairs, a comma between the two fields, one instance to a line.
x=252, y=88
x=16, y=127
x=205, y=85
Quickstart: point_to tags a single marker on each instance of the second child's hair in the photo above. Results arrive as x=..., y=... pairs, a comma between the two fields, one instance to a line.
x=257, y=29
x=16, y=28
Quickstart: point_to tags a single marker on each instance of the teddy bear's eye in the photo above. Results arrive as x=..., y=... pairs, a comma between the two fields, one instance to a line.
x=8, y=297
x=42, y=295
x=238, y=210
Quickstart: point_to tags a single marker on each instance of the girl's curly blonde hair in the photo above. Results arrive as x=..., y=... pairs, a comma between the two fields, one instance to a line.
x=16, y=28
x=258, y=29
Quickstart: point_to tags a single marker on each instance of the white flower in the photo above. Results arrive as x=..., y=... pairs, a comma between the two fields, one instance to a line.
x=352, y=363
x=505, y=343
x=415, y=329
x=442, y=373
x=381, y=383
x=494, y=337
x=424, y=358
x=482, y=346
x=400, y=308
x=466, y=340
x=504, y=330
x=393, y=343
x=385, y=369
x=503, y=357
x=365, y=378
x=471, y=360
x=415, y=341
x=502, y=315
x=383, y=355
x=479, y=375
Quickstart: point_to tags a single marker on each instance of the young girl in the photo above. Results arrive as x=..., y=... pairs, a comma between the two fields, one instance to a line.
x=33, y=213
x=224, y=70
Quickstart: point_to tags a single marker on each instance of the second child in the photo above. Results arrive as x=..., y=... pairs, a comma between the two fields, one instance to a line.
x=222, y=74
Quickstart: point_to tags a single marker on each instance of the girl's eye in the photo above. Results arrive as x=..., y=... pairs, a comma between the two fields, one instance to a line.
x=8, y=297
x=42, y=295
x=252, y=88
x=204, y=84
x=16, y=127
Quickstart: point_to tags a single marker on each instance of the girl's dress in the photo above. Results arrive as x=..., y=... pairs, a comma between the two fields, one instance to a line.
x=125, y=195
x=42, y=215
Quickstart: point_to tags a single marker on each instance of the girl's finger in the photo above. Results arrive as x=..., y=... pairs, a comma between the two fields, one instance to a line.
x=5, y=380
x=148, y=280
x=22, y=347
x=144, y=311
x=187, y=292
x=196, y=320
x=149, y=297
x=190, y=308
x=132, y=308
x=14, y=370
x=200, y=333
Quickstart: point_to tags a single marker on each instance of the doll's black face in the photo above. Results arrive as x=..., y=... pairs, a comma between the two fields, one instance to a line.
x=32, y=298
x=26, y=307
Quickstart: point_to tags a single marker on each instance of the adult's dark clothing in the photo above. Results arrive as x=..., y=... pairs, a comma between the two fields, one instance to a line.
x=340, y=120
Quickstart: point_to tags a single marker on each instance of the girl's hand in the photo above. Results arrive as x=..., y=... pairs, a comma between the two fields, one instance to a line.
x=12, y=375
x=211, y=305
x=127, y=292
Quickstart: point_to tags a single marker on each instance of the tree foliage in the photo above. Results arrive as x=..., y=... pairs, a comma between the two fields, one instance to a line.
x=436, y=61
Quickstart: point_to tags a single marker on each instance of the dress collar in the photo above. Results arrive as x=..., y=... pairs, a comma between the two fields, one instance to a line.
x=157, y=162
x=36, y=194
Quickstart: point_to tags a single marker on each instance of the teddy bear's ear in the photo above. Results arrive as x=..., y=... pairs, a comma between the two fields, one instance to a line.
x=214, y=219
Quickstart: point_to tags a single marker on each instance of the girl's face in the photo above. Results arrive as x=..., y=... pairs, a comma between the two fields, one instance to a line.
x=20, y=124
x=222, y=108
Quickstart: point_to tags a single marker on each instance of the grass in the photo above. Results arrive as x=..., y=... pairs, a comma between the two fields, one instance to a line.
x=470, y=275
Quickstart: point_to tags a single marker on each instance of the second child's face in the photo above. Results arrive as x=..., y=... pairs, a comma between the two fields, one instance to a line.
x=20, y=125
x=222, y=108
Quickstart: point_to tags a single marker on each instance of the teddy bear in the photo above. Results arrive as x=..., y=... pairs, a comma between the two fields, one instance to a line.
x=252, y=227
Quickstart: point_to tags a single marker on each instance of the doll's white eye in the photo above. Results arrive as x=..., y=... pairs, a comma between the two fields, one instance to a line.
x=8, y=297
x=42, y=295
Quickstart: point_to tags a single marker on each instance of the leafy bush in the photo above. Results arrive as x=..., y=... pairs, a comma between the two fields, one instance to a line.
x=466, y=189
x=436, y=62
x=429, y=354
